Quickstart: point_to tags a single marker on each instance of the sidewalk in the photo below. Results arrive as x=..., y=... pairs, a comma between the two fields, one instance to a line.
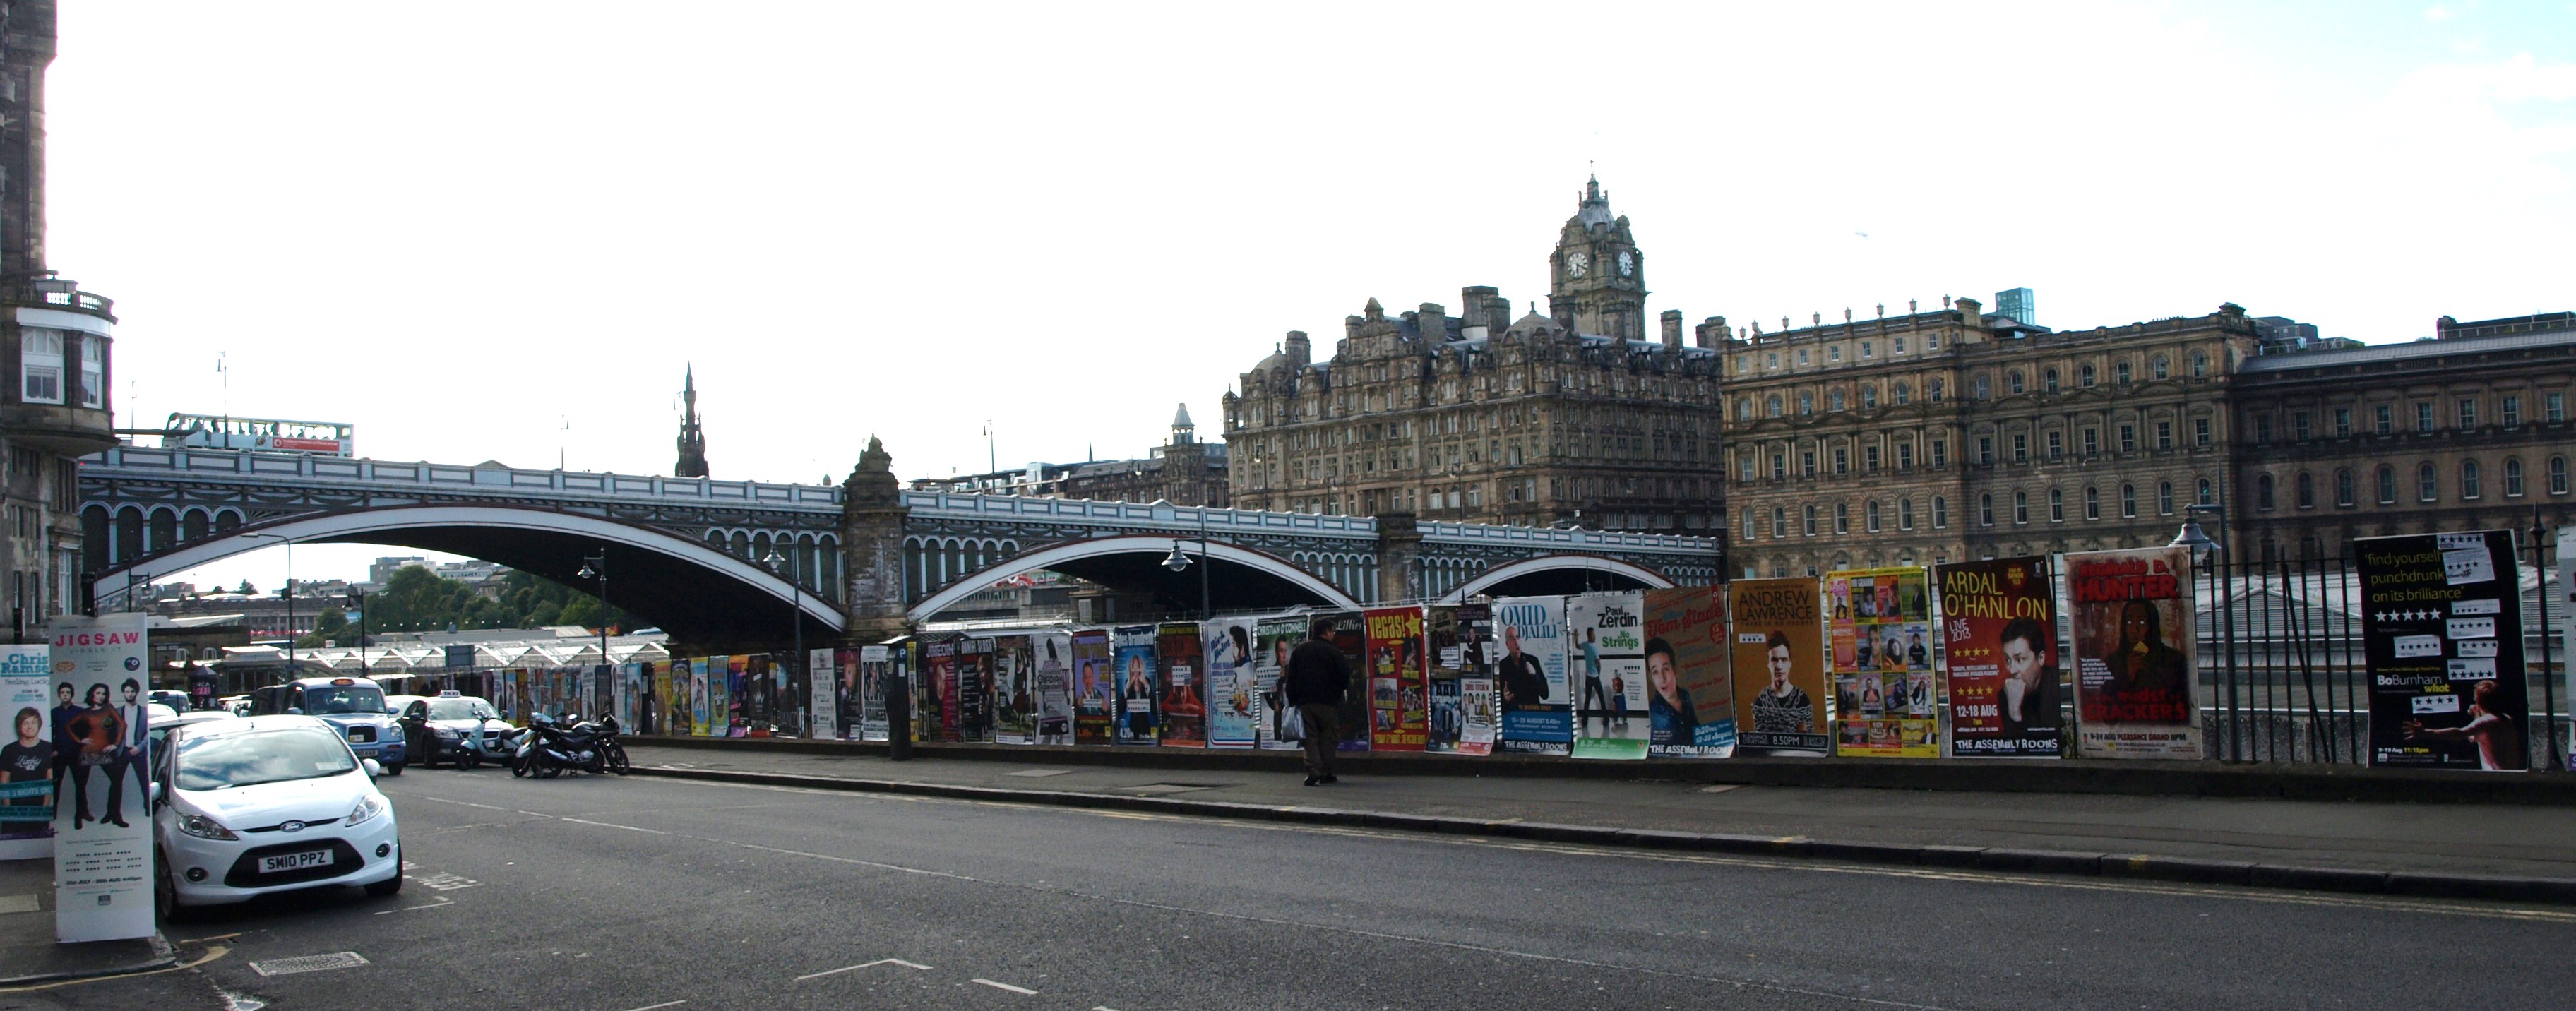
x=28, y=952
x=2420, y=848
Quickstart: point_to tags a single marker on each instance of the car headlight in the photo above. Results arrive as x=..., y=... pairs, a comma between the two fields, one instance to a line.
x=203, y=827
x=393, y=731
x=446, y=733
x=369, y=806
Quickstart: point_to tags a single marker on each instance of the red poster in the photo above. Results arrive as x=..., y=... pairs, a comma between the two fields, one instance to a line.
x=1184, y=685
x=1398, y=683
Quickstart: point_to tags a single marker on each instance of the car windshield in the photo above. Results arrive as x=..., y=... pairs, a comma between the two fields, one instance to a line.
x=344, y=699
x=461, y=709
x=224, y=761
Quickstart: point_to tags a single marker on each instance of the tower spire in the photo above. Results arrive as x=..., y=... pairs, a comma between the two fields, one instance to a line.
x=693, y=439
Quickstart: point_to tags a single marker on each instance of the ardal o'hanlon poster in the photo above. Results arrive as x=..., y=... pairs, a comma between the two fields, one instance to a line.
x=103, y=827
x=1605, y=656
x=1999, y=626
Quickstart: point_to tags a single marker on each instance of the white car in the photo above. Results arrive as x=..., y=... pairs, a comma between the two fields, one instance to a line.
x=268, y=804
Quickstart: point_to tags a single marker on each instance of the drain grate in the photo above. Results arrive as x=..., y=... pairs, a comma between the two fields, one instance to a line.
x=308, y=963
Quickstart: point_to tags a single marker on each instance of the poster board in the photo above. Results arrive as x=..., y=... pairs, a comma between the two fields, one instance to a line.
x=1779, y=661
x=1095, y=689
x=1231, y=688
x=1015, y=716
x=1137, y=668
x=1999, y=631
x=1054, y=653
x=2137, y=679
x=1272, y=640
x=1530, y=676
x=1886, y=698
x=103, y=869
x=1605, y=659
x=2442, y=626
x=875, y=670
x=823, y=688
x=1690, y=679
x=1184, y=691
x=1396, y=680
x=974, y=697
x=27, y=756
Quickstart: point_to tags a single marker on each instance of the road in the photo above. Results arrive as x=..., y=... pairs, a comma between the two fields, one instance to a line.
x=617, y=894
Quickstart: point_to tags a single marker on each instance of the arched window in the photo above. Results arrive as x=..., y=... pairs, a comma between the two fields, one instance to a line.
x=1868, y=397
x=2084, y=374
x=2343, y=486
x=2203, y=497
x=1811, y=521
x=2164, y=369
x=2307, y=491
x=1902, y=392
x=2427, y=484
x=1842, y=517
x=1751, y=528
x=2470, y=486
x=2048, y=379
x=1905, y=514
x=2128, y=500
x=2092, y=503
x=1869, y=515
x=2262, y=491
x=1986, y=510
x=1932, y=389
x=1940, y=512
x=1985, y=386
x=1779, y=522
x=2558, y=475
x=2056, y=506
x=2164, y=498
x=1834, y=400
x=2021, y=507
x=1774, y=405
x=2387, y=485
x=2120, y=372
x=1744, y=409
x=2012, y=381
x=2199, y=365
x=1806, y=402
x=2513, y=477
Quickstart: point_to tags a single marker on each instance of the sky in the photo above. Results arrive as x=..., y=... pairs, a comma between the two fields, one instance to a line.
x=502, y=230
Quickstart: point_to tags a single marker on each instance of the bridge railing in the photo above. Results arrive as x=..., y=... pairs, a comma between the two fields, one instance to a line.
x=1561, y=538
x=213, y=463
x=1128, y=514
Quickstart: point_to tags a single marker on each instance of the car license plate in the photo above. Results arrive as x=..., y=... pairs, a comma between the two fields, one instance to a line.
x=294, y=861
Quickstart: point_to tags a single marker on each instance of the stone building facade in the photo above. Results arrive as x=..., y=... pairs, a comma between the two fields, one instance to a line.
x=1575, y=417
x=1184, y=471
x=1953, y=434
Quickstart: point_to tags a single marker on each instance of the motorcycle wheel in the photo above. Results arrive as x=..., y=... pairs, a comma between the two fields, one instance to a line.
x=548, y=770
x=617, y=759
x=519, y=767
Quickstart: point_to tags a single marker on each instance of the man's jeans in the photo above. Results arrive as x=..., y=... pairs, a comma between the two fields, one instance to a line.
x=1323, y=736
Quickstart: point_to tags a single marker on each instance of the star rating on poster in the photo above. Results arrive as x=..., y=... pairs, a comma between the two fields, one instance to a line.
x=2412, y=614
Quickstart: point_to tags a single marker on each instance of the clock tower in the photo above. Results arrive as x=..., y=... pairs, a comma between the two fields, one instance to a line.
x=1598, y=278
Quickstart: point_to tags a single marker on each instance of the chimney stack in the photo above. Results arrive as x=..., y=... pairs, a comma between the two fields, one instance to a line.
x=1672, y=329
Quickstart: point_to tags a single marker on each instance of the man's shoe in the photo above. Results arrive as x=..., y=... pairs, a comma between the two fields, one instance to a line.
x=1332, y=779
x=1310, y=781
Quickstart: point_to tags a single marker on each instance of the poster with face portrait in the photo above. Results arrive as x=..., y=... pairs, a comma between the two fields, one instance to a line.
x=1232, y=691
x=1139, y=713
x=27, y=760
x=1779, y=660
x=103, y=820
x=2135, y=679
x=1348, y=632
x=1054, y=655
x=1887, y=703
x=974, y=697
x=1529, y=675
x=1183, y=685
x=936, y=720
x=1015, y=716
x=1095, y=687
x=1999, y=628
x=2442, y=627
x=1605, y=658
x=1690, y=679
x=876, y=667
x=1272, y=639
x=1395, y=678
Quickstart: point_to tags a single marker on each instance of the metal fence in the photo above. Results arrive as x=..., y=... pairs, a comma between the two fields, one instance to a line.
x=2286, y=677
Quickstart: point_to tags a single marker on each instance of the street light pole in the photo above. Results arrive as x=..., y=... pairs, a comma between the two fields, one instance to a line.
x=358, y=602
x=596, y=567
x=2202, y=547
x=796, y=622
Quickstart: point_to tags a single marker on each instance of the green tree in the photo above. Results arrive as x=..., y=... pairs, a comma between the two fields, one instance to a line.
x=247, y=589
x=333, y=624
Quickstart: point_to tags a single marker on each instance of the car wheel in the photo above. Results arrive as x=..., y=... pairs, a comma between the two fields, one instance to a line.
x=165, y=895
x=390, y=885
x=467, y=761
x=394, y=769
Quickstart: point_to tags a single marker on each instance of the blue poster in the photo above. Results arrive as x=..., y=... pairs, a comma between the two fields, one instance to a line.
x=1230, y=686
x=1138, y=718
x=1529, y=673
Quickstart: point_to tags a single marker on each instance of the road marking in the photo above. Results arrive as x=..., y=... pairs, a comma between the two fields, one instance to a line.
x=664, y=1004
x=444, y=882
x=309, y=963
x=1006, y=986
x=212, y=953
x=602, y=824
x=862, y=965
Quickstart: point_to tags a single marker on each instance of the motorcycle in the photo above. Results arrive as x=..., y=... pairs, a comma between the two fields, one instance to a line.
x=546, y=748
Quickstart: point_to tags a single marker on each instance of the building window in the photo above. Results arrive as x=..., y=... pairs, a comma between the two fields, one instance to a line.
x=1807, y=463
x=1931, y=342
x=2343, y=422
x=1806, y=402
x=1773, y=362
x=2092, y=441
x=2199, y=365
x=1985, y=387
x=1867, y=349
x=2021, y=447
x=1811, y=521
x=2092, y=503
x=1750, y=527
x=2555, y=404
x=2129, y=500
x=1842, y=517
x=1744, y=467
x=1905, y=455
x=1773, y=405
x=2558, y=475
x=2300, y=428
x=2307, y=492
x=1985, y=450
x=2200, y=432
x=2164, y=498
x=1779, y=522
x=40, y=365
x=1834, y=353
x=1834, y=401
x=2343, y=486
x=2084, y=374
x=2468, y=414
x=2513, y=477
x=2128, y=438
x=2120, y=372
x=2511, y=409
x=1941, y=505
x=2384, y=417
x=2427, y=484
x=1842, y=460
x=1986, y=510
x=2387, y=485
x=2263, y=491
x=1869, y=458
x=2056, y=506
x=2423, y=415
x=2012, y=381
x=1744, y=409
x=1802, y=356
x=1901, y=392
x=1940, y=452
x=1868, y=397
x=1869, y=515
x=2263, y=428
x=1932, y=392
x=2469, y=483
x=2164, y=434
x=2163, y=370
x=2048, y=379
x=1905, y=514
x=93, y=370
x=1896, y=345
x=2202, y=494
x=2021, y=507
x=2056, y=444
x=1779, y=465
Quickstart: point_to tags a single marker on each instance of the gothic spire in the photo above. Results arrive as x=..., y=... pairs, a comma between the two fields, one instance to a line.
x=693, y=439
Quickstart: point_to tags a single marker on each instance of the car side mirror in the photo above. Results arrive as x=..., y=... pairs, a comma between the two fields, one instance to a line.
x=154, y=792
x=373, y=770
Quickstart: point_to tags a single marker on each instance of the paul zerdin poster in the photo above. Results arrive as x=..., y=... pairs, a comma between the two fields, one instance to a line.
x=1139, y=719
x=1690, y=682
x=1184, y=703
x=1348, y=632
x=1605, y=653
x=2135, y=679
x=1230, y=683
x=1054, y=652
x=1887, y=702
x=1015, y=715
x=1398, y=690
x=875, y=667
x=1779, y=664
x=103, y=835
x=1529, y=673
x=1999, y=625
x=1272, y=639
x=2442, y=626
x=27, y=760
x=1095, y=691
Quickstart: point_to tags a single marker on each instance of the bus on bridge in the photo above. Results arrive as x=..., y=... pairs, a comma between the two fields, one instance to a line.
x=215, y=431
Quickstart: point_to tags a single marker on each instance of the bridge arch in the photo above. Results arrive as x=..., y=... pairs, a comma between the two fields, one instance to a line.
x=1585, y=566
x=693, y=589
x=1072, y=554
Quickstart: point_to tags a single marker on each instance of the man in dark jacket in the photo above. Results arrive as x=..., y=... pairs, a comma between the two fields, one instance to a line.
x=1314, y=682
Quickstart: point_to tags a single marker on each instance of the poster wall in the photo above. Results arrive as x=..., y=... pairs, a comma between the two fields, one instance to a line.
x=2565, y=606
x=1139, y=718
x=1348, y=632
x=27, y=759
x=1529, y=674
x=1999, y=628
x=1779, y=661
x=2136, y=678
x=1448, y=657
x=1184, y=702
x=1015, y=715
x=1396, y=680
x=1272, y=639
x=1054, y=653
x=1095, y=691
x=1231, y=688
x=1887, y=702
x=1690, y=680
x=875, y=669
x=974, y=698
x=939, y=673
x=1605, y=653
x=103, y=835
x=2442, y=626
x=823, y=690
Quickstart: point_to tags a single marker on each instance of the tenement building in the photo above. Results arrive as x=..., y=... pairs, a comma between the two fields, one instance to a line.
x=1184, y=471
x=54, y=341
x=1955, y=433
x=1576, y=416
x=2465, y=431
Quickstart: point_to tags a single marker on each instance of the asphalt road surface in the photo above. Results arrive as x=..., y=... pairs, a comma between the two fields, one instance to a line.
x=622, y=894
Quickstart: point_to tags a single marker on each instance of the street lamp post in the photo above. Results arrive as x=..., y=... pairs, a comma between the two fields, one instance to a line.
x=1178, y=562
x=595, y=567
x=358, y=603
x=2202, y=548
x=795, y=621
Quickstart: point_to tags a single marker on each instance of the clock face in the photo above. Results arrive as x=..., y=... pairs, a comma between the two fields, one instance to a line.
x=1577, y=262
x=1627, y=263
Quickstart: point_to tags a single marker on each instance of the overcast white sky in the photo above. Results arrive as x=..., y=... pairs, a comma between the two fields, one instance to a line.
x=464, y=226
